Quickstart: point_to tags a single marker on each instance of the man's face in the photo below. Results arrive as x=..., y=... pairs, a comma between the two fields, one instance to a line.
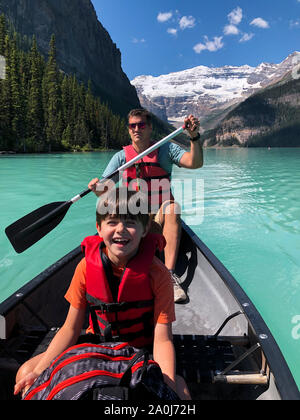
x=140, y=132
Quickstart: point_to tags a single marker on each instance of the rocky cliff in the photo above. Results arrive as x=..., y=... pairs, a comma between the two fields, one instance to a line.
x=84, y=47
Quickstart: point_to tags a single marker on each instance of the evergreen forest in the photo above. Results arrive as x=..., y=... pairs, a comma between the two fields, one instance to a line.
x=43, y=109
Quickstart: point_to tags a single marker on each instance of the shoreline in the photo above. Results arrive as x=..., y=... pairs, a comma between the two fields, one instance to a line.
x=12, y=153
x=5, y=153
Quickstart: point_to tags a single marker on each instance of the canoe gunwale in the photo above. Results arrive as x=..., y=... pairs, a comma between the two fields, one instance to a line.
x=20, y=297
x=285, y=382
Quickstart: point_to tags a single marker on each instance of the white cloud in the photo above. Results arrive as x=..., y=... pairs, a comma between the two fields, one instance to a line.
x=246, y=37
x=235, y=17
x=138, y=41
x=212, y=46
x=187, y=22
x=172, y=31
x=295, y=23
x=164, y=17
x=231, y=30
x=260, y=23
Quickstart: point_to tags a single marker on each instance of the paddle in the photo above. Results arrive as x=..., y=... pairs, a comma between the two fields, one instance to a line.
x=28, y=230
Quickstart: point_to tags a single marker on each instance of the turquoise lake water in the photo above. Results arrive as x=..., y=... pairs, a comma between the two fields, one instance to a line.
x=250, y=219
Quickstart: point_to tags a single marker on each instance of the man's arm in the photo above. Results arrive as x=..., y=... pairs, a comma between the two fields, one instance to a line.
x=194, y=158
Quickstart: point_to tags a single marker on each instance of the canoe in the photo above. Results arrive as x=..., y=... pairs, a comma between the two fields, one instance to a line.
x=224, y=349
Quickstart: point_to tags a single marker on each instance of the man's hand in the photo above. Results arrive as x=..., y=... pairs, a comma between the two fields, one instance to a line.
x=194, y=158
x=192, y=125
x=93, y=184
x=100, y=187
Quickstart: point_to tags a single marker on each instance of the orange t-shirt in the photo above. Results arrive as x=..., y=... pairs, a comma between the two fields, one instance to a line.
x=161, y=283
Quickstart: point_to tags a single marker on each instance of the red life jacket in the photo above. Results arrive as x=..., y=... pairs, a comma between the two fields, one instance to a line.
x=158, y=181
x=123, y=313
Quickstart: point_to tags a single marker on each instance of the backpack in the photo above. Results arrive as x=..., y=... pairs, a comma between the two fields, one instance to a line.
x=110, y=371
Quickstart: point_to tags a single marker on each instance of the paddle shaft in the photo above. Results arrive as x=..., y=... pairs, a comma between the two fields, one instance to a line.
x=31, y=228
x=135, y=159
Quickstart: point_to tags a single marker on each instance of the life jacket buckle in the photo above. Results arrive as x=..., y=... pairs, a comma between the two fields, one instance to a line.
x=110, y=307
x=103, y=308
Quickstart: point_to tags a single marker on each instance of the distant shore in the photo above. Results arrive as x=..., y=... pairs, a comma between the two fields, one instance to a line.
x=4, y=152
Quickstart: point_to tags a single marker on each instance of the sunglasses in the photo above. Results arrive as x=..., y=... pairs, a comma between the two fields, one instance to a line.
x=140, y=126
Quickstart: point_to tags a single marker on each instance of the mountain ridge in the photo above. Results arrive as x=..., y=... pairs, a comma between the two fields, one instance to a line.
x=209, y=93
x=268, y=118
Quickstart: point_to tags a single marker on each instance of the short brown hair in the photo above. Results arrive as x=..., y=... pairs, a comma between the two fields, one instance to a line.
x=141, y=112
x=118, y=202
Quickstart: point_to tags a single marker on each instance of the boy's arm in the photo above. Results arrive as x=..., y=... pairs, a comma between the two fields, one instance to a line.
x=164, y=352
x=65, y=338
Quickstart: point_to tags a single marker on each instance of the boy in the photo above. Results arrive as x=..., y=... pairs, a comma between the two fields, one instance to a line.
x=135, y=275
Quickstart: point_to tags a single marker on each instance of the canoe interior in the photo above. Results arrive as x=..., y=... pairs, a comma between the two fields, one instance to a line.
x=223, y=347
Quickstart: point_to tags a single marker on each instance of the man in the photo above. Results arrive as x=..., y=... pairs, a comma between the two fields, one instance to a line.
x=168, y=215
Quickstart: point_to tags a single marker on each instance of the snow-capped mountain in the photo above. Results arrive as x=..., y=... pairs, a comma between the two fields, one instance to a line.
x=206, y=92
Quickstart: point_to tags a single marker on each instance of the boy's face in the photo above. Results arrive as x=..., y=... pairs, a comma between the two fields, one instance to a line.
x=121, y=237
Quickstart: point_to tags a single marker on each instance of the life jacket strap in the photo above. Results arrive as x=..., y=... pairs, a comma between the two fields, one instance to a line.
x=106, y=333
x=114, y=307
x=106, y=336
x=148, y=178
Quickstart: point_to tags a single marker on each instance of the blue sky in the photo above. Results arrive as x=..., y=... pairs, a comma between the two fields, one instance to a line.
x=158, y=37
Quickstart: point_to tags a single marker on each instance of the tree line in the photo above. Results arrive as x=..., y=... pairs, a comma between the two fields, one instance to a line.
x=43, y=109
x=274, y=111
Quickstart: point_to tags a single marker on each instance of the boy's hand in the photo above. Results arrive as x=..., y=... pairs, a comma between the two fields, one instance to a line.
x=24, y=384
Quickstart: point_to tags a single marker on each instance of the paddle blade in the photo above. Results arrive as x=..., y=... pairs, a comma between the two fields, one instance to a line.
x=31, y=228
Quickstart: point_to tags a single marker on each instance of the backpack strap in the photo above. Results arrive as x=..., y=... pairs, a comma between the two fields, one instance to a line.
x=126, y=378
